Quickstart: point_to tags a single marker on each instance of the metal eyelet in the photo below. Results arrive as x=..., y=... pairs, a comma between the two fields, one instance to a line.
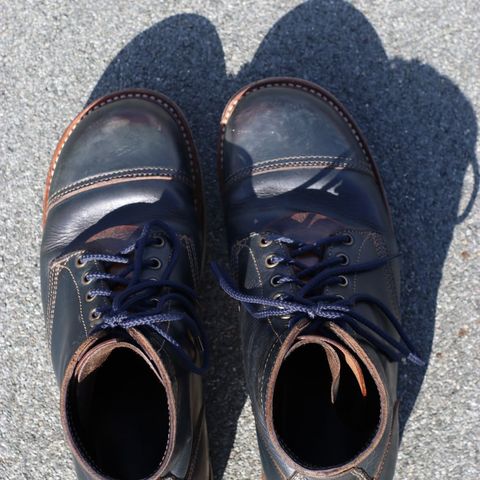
x=345, y=259
x=270, y=261
x=94, y=314
x=79, y=263
x=264, y=242
x=155, y=263
x=275, y=280
x=159, y=242
x=349, y=240
x=281, y=296
x=85, y=280
x=154, y=301
x=343, y=281
x=89, y=297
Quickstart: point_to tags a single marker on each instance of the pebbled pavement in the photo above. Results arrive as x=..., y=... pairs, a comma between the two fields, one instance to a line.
x=408, y=71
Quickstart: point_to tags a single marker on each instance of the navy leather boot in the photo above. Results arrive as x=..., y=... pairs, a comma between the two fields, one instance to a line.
x=120, y=259
x=314, y=257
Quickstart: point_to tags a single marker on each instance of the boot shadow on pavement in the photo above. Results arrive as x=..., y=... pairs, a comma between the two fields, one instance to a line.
x=421, y=128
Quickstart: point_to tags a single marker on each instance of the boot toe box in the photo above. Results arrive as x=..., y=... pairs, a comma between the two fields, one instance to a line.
x=123, y=137
x=278, y=126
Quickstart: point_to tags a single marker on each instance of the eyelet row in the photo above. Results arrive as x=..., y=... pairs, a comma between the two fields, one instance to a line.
x=281, y=296
x=345, y=261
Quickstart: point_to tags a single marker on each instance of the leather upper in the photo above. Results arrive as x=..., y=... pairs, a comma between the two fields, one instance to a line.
x=131, y=134
x=293, y=163
x=128, y=159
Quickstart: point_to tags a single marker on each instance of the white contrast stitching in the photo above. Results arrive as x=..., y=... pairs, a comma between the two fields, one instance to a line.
x=64, y=267
x=55, y=268
x=277, y=163
x=128, y=173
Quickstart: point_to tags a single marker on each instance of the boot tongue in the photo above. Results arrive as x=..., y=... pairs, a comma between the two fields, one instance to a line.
x=113, y=240
x=335, y=353
x=96, y=356
x=306, y=226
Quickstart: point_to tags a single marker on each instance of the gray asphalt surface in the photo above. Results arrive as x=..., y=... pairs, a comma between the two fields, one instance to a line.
x=408, y=71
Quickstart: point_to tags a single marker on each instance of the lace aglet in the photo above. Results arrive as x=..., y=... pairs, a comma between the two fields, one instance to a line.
x=415, y=359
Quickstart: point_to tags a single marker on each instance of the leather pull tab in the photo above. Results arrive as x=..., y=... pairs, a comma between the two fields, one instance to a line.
x=355, y=367
x=335, y=368
x=332, y=350
x=99, y=354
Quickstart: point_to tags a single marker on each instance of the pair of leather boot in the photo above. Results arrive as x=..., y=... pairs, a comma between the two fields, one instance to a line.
x=315, y=269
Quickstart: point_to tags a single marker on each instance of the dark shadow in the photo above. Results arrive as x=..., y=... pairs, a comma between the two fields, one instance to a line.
x=421, y=129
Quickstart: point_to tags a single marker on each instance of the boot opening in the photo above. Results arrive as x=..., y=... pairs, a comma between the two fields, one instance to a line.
x=119, y=413
x=317, y=433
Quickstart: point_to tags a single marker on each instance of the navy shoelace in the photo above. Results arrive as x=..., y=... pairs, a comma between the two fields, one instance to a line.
x=146, y=303
x=309, y=301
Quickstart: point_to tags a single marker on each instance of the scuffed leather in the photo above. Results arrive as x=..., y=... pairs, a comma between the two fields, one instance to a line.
x=277, y=123
x=123, y=135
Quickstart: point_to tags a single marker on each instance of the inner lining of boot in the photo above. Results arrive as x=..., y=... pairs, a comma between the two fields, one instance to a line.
x=317, y=433
x=120, y=414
